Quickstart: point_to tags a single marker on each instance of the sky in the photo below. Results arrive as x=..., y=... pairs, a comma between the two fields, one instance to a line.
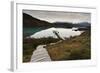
x=53, y=16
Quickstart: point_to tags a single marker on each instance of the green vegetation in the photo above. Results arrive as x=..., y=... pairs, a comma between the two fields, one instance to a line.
x=30, y=44
x=75, y=48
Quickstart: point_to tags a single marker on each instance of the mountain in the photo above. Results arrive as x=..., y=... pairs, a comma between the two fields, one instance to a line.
x=60, y=33
x=84, y=24
x=29, y=21
x=70, y=25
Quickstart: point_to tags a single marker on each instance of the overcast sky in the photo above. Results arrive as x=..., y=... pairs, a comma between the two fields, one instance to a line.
x=52, y=16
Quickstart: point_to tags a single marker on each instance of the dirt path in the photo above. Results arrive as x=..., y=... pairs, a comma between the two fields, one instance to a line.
x=40, y=54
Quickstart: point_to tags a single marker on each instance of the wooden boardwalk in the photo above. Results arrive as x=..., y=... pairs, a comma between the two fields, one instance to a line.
x=40, y=55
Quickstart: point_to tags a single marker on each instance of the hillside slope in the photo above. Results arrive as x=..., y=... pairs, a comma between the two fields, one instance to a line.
x=29, y=21
x=74, y=48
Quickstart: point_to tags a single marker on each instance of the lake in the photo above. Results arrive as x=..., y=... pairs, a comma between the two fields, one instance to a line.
x=29, y=31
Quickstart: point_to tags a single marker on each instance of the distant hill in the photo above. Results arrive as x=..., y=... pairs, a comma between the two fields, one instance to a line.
x=70, y=25
x=29, y=21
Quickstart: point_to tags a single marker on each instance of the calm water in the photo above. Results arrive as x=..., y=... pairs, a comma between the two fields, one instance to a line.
x=30, y=31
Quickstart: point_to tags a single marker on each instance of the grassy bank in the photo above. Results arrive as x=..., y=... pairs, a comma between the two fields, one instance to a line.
x=75, y=48
x=30, y=44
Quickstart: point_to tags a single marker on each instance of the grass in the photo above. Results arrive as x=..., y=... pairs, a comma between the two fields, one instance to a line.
x=30, y=44
x=75, y=48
